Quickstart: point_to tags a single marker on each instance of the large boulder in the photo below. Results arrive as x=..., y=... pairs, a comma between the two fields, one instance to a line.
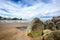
x=58, y=25
x=45, y=33
x=55, y=35
x=35, y=28
x=50, y=25
x=56, y=19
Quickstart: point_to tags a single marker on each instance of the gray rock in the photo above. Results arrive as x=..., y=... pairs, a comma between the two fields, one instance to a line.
x=58, y=25
x=50, y=25
x=56, y=19
x=55, y=35
x=35, y=27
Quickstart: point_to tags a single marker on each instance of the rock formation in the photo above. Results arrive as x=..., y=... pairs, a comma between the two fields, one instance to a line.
x=50, y=25
x=36, y=27
x=55, y=35
x=58, y=25
x=56, y=21
x=49, y=30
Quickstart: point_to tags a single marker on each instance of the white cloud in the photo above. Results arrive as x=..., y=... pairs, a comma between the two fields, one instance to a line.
x=37, y=10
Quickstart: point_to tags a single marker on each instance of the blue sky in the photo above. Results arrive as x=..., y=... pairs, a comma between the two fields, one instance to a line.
x=28, y=9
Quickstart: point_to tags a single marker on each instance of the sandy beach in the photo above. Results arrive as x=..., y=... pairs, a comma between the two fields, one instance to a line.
x=11, y=31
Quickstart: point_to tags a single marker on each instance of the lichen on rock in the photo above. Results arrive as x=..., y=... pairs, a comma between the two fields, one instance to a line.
x=55, y=35
x=36, y=27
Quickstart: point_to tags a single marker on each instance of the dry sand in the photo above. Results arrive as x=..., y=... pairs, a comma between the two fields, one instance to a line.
x=8, y=31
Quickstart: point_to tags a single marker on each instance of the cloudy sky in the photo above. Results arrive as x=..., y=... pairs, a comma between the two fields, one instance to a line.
x=28, y=9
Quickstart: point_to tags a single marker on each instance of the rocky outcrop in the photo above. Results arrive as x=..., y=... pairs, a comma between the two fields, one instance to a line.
x=49, y=30
x=56, y=21
x=54, y=26
x=36, y=27
x=55, y=35
x=58, y=25
x=50, y=25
